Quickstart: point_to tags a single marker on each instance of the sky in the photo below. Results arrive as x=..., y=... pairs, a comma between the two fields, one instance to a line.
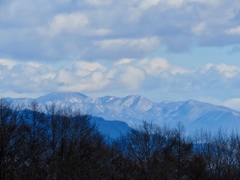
x=162, y=49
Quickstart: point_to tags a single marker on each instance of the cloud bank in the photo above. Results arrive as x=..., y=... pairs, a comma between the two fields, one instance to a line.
x=156, y=78
x=61, y=30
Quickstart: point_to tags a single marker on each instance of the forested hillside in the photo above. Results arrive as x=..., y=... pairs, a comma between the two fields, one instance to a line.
x=65, y=144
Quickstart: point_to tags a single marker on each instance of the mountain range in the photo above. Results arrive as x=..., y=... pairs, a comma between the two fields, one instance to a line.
x=115, y=114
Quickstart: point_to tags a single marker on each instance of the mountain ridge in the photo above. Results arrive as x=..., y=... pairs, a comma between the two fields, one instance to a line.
x=134, y=109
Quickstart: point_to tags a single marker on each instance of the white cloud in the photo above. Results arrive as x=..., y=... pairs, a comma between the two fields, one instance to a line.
x=115, y=48
x=83, y=68
x=233, y=103
x=234, y=31
x=63, y=1
x=65, y=23
x=228, y=71
x=33, y=64
x=8, y=63
x=157, y=66
x=99, y=32
x=142, y=44
x=98, y=2
x=207, y=67
x=64, y=29
x=123, y=61
x=88, y=66
x=199, y=29
x=146, y=4
x=132, y=77
x=212, y=2
x=176, y=3
x=155, y=76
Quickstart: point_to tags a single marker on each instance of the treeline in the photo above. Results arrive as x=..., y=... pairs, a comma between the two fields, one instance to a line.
x=62, y=144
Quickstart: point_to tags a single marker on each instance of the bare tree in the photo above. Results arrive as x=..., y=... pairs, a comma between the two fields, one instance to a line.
x=8, y=132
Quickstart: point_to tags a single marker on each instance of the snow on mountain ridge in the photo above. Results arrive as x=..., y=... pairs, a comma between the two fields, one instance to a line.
x=63, y=96
x=138, y=103
x=135, y=109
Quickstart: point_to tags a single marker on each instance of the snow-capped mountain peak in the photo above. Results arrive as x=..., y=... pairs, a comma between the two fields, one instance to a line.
x=135, y=109
x=138, y=103
x=62, y=96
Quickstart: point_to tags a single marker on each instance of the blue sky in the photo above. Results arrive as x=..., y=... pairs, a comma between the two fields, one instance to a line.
x=164, y=50
x=199, y=56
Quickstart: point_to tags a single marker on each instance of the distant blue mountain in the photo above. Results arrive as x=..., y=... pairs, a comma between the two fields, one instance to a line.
x=113, y=129
x=133, y=110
